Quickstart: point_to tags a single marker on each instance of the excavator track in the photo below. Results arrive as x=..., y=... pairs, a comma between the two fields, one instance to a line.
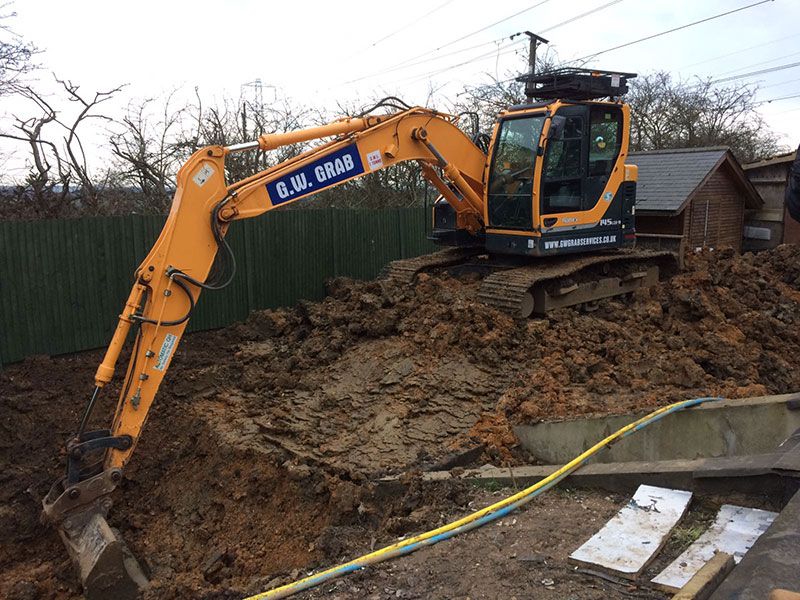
x=569, y=281
x=404, y=271
x=548, y=284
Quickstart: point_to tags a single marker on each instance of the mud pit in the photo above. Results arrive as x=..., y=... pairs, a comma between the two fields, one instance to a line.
x=257, y=458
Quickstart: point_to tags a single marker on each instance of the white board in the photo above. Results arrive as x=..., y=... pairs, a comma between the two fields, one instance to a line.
x=636, y=533
x=734, y=531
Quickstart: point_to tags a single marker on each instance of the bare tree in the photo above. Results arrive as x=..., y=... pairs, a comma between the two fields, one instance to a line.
x=72, y=142
x=59, y=179
x=484, y=101
x=242, y=120
x=665, y=113
x=47, y=184
x=156, y=138
x=16, y=55
x=673, y=114
x=149, y=152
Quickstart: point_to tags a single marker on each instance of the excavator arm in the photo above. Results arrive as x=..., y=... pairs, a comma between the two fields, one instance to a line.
x=191, y=255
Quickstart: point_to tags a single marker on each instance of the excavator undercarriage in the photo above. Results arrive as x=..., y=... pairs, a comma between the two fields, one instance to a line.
x=535, y=287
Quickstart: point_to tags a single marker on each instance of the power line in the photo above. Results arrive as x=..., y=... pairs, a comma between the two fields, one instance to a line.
x=758, y=64
x=500, y=51
x=503, y=20
x=493, y=52
x=580, y=16
x=668, y=31
x=777, y=99
x=551, y=28
x=780, y=83
x=754, y=73
x=702, y=62
x=674, y=29
x=450, y=43
x=427, y=60
x=407, y=25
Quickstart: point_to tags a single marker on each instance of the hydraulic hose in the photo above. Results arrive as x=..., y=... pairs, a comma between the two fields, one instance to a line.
x=476, y=519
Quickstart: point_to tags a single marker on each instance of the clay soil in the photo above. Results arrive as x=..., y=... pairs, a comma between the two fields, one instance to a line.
x=259, y=459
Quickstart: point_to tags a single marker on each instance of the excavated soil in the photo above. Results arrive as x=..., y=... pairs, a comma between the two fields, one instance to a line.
x=257, y=461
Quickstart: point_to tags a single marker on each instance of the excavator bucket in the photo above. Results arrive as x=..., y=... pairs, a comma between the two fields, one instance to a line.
x=107, y=568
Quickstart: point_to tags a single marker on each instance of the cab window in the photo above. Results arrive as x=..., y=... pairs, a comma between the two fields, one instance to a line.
x=562, y=189
x=604, y=139
x=510, y=198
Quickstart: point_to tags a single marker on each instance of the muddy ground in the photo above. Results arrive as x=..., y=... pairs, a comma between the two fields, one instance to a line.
x=258, y=458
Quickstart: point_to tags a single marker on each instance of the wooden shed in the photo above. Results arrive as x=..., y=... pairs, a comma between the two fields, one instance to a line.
x=692, y=198
x=771, y=225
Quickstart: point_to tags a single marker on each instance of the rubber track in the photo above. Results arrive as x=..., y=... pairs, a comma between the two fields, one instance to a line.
x=506, y=289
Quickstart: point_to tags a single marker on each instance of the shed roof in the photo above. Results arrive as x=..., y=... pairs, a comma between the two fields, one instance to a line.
x=669, y=178
x=786, y=157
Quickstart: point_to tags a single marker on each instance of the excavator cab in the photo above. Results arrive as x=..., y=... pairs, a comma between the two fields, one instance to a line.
x=556, y=177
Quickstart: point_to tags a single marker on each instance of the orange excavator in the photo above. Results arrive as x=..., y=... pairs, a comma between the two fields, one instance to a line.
x=545, y=207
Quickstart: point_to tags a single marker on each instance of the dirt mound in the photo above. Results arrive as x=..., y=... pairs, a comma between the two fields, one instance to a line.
x=727, y=326
x=257, y=459
x=428, y=370
x=409, y=369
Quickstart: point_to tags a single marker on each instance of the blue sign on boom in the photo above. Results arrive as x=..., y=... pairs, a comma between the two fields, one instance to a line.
x=315, y=176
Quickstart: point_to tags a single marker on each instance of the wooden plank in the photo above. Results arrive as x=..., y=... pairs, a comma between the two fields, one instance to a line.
x=632, y=538
x=734, y=531
x=12, y=325
x=706, y=580
x=700, y=475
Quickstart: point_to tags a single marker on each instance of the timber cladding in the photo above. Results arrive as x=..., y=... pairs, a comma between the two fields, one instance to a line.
x=715, y=215
x=63, y=282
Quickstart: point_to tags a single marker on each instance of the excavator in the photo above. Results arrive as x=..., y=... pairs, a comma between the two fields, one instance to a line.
x=545, y=207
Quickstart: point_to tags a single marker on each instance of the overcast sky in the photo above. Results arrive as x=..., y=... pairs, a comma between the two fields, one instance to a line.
x=319, y=52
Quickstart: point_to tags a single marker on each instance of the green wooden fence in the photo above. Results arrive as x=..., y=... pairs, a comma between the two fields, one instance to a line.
x=63, y=282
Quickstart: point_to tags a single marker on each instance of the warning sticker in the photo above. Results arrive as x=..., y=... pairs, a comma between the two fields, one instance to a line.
x=203, y=175
x=166, y=351
x=374, y=160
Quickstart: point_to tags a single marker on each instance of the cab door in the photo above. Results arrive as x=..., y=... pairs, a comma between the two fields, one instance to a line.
x=510, y=189
x=563, y=188
x=605, y=139
x=579, y=161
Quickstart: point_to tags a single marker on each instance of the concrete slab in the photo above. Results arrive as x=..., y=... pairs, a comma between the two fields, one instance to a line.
x=773, y=561
x=727, y=428
x=734, y=531
x=633, y=537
